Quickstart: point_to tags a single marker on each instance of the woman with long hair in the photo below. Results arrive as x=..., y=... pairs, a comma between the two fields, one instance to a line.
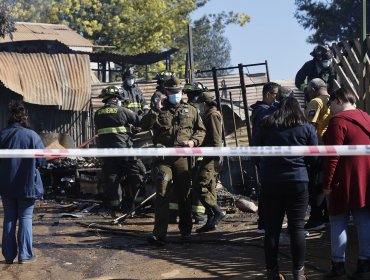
x=20, y=185
x=284, y=182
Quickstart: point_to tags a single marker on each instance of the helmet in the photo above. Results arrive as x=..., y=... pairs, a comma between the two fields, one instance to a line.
x=129, y=74
x=173, y=84
x=206, y=96
x=322, y=52
x=194, y=88
x=163, y=76
x=111, y=91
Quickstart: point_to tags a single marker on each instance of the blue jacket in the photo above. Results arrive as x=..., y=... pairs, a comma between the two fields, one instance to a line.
x=20, y=177
x=286, y=169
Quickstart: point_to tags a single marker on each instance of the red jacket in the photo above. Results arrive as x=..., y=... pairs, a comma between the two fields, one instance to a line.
x=347, y=176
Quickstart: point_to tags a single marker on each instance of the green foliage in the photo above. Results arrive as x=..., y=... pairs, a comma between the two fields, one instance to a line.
x=132, y=26
x=6, y=18
x=332, y=20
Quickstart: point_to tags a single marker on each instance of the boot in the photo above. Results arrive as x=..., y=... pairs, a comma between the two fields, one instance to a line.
x=209, y=226
x=299, y=274
x=337, y=271
x=219, y=215
x=274, y=274
x=362, y=271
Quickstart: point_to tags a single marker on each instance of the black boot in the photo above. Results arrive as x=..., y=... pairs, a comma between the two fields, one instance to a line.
x=299, y=274
x=274, y=274
x=219, y=215
x=209, y=226
x=362, y=271
x=337, y=271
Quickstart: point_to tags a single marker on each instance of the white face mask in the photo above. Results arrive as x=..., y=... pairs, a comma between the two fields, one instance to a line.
x=326, y=63
x=130, y=82
x=175, y=98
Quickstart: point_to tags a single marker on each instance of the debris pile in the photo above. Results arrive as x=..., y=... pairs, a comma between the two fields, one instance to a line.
x=73, y=163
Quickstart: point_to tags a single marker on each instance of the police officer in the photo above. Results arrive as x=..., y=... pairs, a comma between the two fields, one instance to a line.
x=319, y=67
x=205, y=182
x=113, y=124
x=132, y=95
x=161, y=78
x=174, y=124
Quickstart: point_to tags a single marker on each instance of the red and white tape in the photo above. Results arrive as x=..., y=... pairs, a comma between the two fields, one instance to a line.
x=247, y=151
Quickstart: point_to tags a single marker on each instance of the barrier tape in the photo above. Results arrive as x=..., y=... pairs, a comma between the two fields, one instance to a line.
x=247, y=151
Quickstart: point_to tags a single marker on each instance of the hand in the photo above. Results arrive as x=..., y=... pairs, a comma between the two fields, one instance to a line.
x=189, y=143
x=327, y=192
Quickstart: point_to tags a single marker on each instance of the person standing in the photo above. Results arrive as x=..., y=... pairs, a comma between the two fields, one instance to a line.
x=320, y=66
x=346, y=184
x=260, y=110
x=174, y=123
x=317, y=113
x=284, y=182
x=20, y=185
x=133, y=98
x=206, y=177
x=113, y=125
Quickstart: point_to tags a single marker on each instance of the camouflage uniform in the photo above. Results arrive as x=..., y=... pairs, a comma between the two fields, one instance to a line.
x=171, y=126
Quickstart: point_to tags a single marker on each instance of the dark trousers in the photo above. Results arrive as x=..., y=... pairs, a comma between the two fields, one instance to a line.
x=316, y=198
x=114, y=169
x=290, y=198
x=176, y=169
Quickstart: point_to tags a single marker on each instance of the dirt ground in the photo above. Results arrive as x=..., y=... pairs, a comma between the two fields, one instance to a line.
x=72, y=248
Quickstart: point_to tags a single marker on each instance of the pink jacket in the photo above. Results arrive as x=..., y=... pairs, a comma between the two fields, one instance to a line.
x=347, y=176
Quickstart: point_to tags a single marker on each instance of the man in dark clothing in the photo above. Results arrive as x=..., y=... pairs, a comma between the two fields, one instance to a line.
x=319, y=67
x=174, y=124
x=113, y=124
x=132, y=95
x=269, y=93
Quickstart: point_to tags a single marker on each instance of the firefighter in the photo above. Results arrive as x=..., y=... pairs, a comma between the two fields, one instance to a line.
x=135, y=101
x=113, y=125
x=132, y=95
x=320, y=66
x=174, y=124
x=192, y=91
x=206, y=177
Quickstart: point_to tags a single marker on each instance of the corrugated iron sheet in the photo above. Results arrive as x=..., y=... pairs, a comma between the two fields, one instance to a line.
x=43, y=31
x=63, y=80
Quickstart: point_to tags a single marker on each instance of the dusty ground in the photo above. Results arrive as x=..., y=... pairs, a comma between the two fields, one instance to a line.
x=67, y=249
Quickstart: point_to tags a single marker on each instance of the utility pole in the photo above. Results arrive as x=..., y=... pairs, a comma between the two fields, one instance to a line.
x=190, y=55
x=364, y=85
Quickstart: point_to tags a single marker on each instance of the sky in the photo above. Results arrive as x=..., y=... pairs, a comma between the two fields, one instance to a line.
x=273, y=34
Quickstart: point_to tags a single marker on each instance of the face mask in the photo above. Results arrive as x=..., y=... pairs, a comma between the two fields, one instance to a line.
x=119, y=103
x=175, y=98
x=326, y=63
x=130, y=82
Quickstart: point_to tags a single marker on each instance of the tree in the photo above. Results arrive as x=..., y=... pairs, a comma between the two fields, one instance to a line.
x=132, y=26
x=7, y=24
x=332, y=20
x=211, y=47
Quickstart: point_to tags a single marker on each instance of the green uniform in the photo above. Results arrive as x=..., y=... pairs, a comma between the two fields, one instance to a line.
x=171, y=126
x=205, y=182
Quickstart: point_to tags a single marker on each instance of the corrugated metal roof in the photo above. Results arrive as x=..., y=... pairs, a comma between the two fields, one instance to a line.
x=58, y=79
x=43, y=31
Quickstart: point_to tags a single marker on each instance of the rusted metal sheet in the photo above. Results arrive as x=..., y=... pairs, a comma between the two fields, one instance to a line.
x=63, y=80
x=43, y=31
